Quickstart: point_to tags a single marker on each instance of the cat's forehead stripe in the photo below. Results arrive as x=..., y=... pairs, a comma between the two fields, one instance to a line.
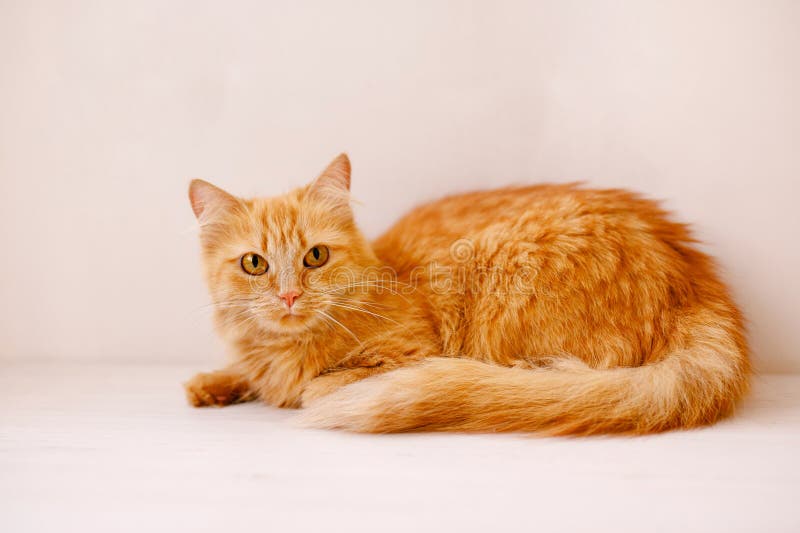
x=280, y=224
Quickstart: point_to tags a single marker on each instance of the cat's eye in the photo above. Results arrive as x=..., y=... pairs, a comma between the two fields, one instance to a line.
x=317, y=256
x=254, y=264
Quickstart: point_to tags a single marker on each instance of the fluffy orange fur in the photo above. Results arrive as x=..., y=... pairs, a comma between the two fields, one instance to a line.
x=549, y=308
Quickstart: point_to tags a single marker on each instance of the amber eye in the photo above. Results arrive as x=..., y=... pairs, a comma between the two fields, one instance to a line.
x=254, y=264
x=316, y=257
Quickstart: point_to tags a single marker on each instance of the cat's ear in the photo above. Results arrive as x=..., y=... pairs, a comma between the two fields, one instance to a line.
x=333, y=185
x=208, y=200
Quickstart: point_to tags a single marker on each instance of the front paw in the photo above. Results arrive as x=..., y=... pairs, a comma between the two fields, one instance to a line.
x=216, y=389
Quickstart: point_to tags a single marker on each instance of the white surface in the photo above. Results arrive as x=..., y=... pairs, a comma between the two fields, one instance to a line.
x=114, y=448
x=107, y=108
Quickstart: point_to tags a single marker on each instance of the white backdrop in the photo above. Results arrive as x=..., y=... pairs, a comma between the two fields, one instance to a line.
x=107, y=108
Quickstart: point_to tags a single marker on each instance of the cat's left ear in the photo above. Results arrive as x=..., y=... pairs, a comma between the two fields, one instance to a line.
x=333, y=185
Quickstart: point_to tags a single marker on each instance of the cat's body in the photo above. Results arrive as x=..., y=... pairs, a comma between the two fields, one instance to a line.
x=551, y=308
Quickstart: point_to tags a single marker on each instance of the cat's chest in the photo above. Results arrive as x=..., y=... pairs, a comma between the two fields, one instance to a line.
x=279, y=372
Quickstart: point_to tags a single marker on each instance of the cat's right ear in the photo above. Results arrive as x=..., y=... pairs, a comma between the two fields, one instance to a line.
x=208, y=200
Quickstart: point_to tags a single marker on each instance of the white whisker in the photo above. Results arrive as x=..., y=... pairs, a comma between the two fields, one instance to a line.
x=364, y=311
x=324, y=314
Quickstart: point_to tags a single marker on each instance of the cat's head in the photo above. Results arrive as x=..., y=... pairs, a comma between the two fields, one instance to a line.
x=281, y=264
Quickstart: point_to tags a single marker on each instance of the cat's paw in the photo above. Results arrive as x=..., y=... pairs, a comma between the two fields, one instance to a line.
x=215, y=389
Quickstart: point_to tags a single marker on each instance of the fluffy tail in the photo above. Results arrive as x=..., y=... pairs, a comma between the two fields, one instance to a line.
x=689, y=387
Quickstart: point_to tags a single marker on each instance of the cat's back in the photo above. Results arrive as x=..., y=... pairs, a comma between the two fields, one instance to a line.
x=444, y=230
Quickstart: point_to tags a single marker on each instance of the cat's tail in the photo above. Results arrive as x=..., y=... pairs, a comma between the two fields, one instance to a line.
x=688, y=387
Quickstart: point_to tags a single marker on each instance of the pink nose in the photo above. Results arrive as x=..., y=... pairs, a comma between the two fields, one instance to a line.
x=289, y=297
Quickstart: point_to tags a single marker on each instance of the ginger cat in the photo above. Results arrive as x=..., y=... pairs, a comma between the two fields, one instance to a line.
x=549, y=308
